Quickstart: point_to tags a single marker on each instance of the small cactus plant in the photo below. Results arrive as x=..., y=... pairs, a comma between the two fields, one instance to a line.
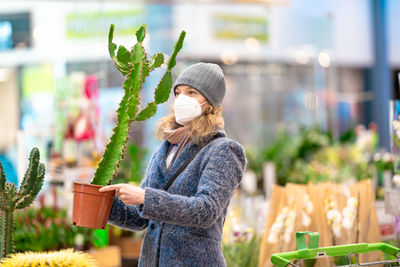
x=65, y=258
x=11, y=199
x=135, y=66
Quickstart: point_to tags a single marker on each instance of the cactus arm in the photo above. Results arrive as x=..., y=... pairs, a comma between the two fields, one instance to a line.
x=141, y=33
x=177, y=48
x=123, y=55
x=145, y=70
x=136, y=87
x=7, y=221
x=123, y=68
x=111, y=46
x=31, y=173
x=25, y=201
x=2, y=232
x=137, y=53
x=114, y=148
x=2, y=186
x=7, y=238
x=147, y=112
x=11, y=193
x=163, y=89
x=157, y=61
x=161, y=95
x=2, y=180
x=122, y=60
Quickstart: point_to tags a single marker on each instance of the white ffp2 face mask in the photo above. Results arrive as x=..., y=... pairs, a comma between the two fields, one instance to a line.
x=186, y=109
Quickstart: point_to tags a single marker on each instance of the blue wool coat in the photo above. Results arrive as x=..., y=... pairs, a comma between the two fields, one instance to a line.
x=184, y=225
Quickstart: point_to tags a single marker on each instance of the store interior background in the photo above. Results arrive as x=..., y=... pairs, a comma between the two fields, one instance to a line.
x=288, y=64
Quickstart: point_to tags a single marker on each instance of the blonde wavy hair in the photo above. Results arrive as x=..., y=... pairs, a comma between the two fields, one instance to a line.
x=199, y=129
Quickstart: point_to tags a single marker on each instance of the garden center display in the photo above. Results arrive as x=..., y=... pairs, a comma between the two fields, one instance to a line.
x=342, y=214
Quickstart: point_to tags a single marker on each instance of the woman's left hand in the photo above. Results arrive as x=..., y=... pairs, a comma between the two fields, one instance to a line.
x=129, y=194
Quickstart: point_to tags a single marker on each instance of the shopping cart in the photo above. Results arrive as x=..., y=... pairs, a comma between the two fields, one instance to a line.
x=312, y=251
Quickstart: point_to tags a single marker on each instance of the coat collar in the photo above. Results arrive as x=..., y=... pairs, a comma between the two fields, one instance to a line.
x=186, y=152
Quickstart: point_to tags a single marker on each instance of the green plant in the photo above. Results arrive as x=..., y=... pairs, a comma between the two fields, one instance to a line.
x=242, y=254
x=135, y=66
x=337, y=163
x=11, y=199
x=288, y=149
x=58, y=258
x=47, y=228
x=132, y=167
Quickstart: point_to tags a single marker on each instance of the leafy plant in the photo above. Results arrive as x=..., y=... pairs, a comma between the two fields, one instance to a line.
x=242, y=254
x=135, y=66
x=11, y=199
x=255, y=163
x=287, y=149
x=47, y=229
x=337, y=163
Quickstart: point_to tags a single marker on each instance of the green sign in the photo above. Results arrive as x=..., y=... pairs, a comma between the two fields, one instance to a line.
x=37, y=79
x=240, y=27
x=96, y=24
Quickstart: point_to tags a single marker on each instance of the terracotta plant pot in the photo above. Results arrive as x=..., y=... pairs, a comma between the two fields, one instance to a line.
x=91, y=208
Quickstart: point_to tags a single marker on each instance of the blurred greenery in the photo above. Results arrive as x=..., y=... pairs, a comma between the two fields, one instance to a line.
x=46, y=228
x=242, y=254
x=288, y=150
x=132, y=168
x=312, y=155
x=336, y=163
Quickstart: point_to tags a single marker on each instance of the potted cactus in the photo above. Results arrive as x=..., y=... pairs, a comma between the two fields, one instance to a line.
x=11, y=199
x=66, y=257
x=90, y=207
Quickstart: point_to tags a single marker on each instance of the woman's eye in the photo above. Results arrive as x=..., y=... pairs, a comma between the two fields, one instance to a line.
x=176, y=93
x=192, y=92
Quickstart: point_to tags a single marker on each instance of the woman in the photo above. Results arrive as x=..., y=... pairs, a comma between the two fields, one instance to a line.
x=184, y=222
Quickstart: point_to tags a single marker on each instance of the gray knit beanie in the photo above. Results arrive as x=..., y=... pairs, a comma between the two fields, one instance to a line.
x=207, y=78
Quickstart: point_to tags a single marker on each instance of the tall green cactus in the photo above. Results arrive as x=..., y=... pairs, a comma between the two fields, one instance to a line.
x=11, y=199
x=135, y=66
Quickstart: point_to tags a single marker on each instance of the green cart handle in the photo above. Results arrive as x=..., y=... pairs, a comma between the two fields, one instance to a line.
x=312, y=251
x=301, y=240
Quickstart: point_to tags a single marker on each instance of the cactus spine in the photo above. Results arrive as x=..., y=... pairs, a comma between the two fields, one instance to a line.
x=135, y=66
x=59, y=258
x=11, y=199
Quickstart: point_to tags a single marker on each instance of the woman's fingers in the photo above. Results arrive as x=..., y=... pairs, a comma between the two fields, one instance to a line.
x=111, y=187
x=129, y=194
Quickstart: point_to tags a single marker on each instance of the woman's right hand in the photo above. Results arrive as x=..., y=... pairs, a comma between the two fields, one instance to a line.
x=128, y=194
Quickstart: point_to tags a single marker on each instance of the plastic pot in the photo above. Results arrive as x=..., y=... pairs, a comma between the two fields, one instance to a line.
x=91, y=208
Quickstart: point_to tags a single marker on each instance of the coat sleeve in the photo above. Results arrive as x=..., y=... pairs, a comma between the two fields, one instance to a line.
x=127, y=216
x=220, y=177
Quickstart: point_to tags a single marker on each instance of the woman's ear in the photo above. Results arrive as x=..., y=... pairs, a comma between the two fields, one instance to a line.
x=208, y=109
